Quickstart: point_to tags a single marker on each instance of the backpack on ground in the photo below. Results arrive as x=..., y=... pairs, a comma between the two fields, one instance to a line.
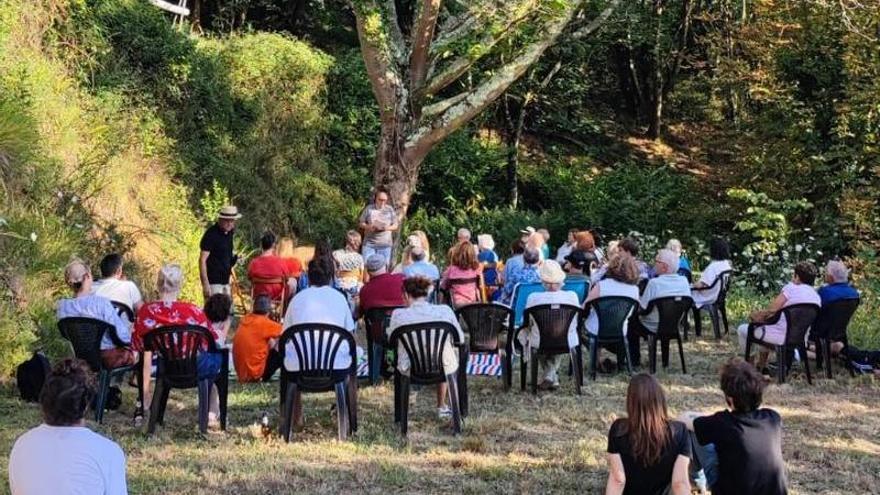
x=861, y=361
x=30, y=376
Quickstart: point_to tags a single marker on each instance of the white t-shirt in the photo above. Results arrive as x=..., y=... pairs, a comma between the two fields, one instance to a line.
x=319, y=305
x=666, y=285
x=702, y=297
x=66, y=460
x=121, y=291
x=610, y=287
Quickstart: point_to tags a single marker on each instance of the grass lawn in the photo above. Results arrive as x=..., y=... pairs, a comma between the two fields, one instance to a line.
x=512, y=442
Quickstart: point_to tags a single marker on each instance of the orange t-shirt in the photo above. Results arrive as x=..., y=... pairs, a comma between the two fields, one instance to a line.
x=250, y=346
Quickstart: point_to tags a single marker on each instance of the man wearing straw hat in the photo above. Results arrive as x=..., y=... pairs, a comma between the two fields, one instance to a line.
x=217, y=259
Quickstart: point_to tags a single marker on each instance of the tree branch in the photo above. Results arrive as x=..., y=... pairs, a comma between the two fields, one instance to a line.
x=456, y=115
x=597, y=22
x=378, y=50
x=422, y=35
x=397, y=40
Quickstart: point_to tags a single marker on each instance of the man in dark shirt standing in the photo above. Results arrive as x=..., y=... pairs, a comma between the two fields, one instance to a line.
x=216, y=259
x=740, y=450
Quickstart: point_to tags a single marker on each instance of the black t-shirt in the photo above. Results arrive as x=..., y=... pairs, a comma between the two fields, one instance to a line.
x=653, y=479
x=749, y=448
x=221, y=259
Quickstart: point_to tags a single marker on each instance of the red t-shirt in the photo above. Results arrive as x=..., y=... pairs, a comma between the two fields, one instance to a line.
x=293, y=265
x=157, y=314
x=269, y=267
x=383, y=291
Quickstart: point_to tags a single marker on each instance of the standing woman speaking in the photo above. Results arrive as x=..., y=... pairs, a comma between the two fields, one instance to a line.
x=379, y=221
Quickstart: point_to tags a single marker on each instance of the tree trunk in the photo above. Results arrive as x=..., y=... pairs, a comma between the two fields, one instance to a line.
x=513, y=135
x=655, y=117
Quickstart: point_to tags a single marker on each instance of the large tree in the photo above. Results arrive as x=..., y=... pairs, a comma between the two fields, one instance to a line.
x=434, y=66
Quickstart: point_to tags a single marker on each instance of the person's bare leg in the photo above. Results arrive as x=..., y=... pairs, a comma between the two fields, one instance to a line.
x=761, y=362
x=146, y=375
x=441, y=395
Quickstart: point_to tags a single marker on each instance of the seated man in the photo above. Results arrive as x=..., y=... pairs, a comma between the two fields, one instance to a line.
x=525, y=273
x=384, y=290
x=420, y=267
x=254, y=347
x=86, y=305
x=667, y=283
x=269, y=266
x=837, y=286
x=552, y=277
x=62, y=455
x=114, y=286
x=578, y=265
x=740, y=450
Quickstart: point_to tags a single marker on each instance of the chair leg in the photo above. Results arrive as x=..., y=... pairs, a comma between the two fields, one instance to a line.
x=342, y=411
x=698, y=324
x=782, y=363
x=287, y=411
x=222, y=383
x=522, y=371
x=716, y=321
x=652, y=348
x=163, y=403
x=533, y=368
x=351, y=389
x=404, y=404
x=577, y=371
x=802, y=350
x=507, y=371
x=722, y=310
x=375, y=363
x=454, y=402
x=681, y=355
x=594, y=358
x=462, y=379
x=825, y=345
x=204, y=403
x=397, y=393
x=629, y=367
x=155, y=406
x=664, y=351
x=101, y=399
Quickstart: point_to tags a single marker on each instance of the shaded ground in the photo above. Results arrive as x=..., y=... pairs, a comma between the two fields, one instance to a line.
x=513, y=442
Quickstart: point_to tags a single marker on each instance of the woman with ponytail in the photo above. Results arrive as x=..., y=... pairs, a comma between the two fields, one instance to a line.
x=647, y=452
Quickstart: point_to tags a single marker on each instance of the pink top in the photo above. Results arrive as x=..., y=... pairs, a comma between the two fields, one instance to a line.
x=794, y=294
x=461, y=293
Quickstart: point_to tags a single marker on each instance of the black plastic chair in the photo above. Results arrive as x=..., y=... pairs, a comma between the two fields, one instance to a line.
x=85, y=336
x=123, y=311
x=672, y=310
x=553, y=322
x=717, y=310
x=798, y=319
x=613, y=313
x=177, y=348
x=830, y=326
x=484, y=324
x=423, y=344
x=376, y=323
x=316, y=347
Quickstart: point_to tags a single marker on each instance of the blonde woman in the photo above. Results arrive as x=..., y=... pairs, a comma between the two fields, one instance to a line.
x=285, y=251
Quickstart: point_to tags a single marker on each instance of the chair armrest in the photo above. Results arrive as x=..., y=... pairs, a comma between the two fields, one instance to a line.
x=114, y=337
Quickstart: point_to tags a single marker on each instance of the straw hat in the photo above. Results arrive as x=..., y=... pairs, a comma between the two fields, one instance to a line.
x=229, y=212
x=551, y=272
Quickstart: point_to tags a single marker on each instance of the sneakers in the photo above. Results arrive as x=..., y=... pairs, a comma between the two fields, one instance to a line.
x=444, y=412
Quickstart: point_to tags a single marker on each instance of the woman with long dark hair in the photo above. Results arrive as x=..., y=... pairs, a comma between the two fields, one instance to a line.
x=647, y=452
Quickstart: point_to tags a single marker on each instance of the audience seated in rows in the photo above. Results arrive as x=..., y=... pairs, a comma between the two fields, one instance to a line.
x=268, y=266
x=114, y=286
x=384, y=290
x=254, y=349
x=463, y=265
x=620, y=280
x=420, y=266
x=350, y=264
x=419, y=310
x=552, y=277
x=62, y=455
x=524, y=273
x=86, y=305
x=647, y=452
x=667, y=283
x=719, y=252
x=740, y=450
x=799, y=291
x=628, y=246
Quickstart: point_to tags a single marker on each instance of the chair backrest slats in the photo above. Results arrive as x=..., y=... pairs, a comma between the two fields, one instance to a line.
x=423, y=343
x=798, y=319
x=177, y=348
x=612, y=313
x=553, y=322
x=484, y=323
x=834, y=319
x=85, y=336
x=670, y=310
x=316, y=346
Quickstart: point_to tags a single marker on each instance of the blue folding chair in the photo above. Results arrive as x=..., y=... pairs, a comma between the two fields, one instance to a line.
x=521, y=293
x=579, y=287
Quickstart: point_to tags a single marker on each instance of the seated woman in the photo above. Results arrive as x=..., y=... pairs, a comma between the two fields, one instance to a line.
x=553, y=278
x=168, y=311
x=419, y=310
x=524, y=272
x=647, y=452
x=463, y=265
x=491, y=263
x=218, y=310
x=350, y=264
x=798, y=291
x=719, y=252
x=585, y=248
x=621, y=276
